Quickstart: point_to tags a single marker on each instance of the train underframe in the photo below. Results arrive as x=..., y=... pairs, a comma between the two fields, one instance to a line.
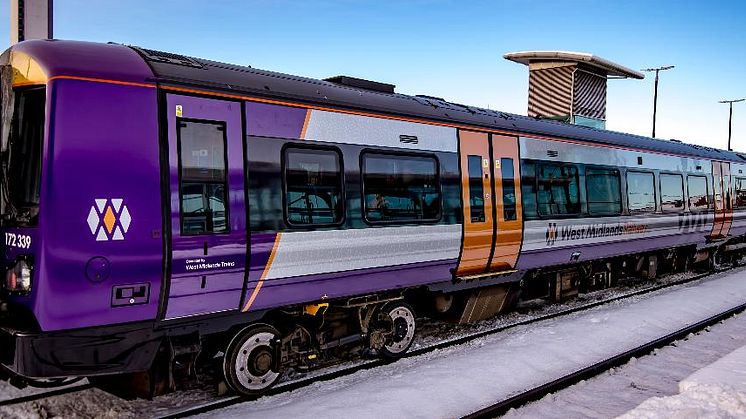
x=251, y=358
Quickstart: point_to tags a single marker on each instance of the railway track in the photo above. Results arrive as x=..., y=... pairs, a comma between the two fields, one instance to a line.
x=501, y=406
x=44, y=395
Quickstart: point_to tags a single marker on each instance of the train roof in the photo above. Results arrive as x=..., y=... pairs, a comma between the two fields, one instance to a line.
x=187, y=72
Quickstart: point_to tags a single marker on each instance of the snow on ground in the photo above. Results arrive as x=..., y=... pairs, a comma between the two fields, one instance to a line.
x=456, y=381
x=657, y=375
x=716, y=391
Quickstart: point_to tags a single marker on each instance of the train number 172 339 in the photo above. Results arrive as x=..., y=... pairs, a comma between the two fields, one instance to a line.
x=17, y=240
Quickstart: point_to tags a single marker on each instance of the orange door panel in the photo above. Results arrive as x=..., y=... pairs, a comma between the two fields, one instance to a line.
x=476, y=195
x=727, y=199
x=717, y=193
x=508, y=213
x=723, y=199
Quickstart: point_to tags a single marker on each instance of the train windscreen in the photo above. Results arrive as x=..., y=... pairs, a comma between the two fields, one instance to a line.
x=23, y=114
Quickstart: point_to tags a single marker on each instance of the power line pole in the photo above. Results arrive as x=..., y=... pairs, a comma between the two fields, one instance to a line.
x=655, y=94
x=730, y=117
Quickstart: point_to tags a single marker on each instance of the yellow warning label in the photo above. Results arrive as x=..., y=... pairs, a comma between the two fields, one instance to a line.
x=178, y=111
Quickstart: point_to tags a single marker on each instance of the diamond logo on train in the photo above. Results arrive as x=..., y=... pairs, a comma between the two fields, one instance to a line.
x=109, y=219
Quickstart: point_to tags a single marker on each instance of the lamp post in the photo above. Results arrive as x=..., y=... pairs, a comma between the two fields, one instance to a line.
x=730, y=117
x=655, y=94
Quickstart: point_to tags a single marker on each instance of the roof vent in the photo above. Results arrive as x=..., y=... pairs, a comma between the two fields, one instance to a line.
x=167, y=57
x=362, y=84
x=408, y=139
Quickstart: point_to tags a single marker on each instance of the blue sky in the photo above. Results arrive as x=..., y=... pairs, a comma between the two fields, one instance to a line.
x=453, y=49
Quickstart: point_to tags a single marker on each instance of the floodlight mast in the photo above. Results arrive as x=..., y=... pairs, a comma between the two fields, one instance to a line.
x=655, y=94
x=730, y=117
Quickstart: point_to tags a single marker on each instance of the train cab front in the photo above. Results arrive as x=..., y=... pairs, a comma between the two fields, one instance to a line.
x=22, y=128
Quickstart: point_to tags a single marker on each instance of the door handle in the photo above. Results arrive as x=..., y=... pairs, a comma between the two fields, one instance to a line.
x=126, y=295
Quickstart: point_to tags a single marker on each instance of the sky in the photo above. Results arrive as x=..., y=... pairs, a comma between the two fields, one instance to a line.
x=454, y=49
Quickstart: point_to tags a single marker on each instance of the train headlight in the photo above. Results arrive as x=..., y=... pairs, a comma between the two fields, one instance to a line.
x=18, y=278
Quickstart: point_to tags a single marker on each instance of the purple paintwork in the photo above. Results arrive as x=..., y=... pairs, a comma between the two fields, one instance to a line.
x=265, y=120
x=222, y=286
x=309, y=288
x=88, y=59
x=261, y=247
x=97, y=149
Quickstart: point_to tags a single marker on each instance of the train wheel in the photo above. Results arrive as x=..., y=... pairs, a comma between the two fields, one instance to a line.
x=249, y=364
x=403, y=328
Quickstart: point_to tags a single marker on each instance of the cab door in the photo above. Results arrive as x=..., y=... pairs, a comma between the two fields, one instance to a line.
x=490, y=192
x=208, y=222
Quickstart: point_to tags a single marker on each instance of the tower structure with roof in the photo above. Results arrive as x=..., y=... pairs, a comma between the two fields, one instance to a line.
x=569, y=86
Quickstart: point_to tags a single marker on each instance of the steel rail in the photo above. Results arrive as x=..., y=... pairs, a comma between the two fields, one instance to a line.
x=295, y=385
x=45, y=395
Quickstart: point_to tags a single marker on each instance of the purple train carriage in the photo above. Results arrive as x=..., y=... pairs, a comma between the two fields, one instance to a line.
x=160, y=210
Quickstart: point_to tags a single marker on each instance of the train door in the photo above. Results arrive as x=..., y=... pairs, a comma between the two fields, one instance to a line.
x=507, y=193
x=208, y=213
x=723, y=196
x=490, y=191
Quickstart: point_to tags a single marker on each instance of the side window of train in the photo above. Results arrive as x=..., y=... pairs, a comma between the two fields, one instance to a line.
x=603, y=190
x=641, y=192
x=476, y=189
x=203, y=183
x=672, y=193
x=699, y=199
x=400, y=188
x=740, y=192
x=508, y=174
x=528, y=190
x=557, y=189
x=313, y=186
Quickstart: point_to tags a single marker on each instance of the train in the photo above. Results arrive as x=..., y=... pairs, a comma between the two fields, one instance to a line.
x=162, y=213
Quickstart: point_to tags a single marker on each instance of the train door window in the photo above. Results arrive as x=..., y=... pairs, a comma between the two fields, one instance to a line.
x=400, y=188
x=672, y=192
x=508, y=181
x=603, y=190
x=203, y=183
x=476, y=189
x=641, y=192
x=528, y=190
x=313, y=186
x=558, y=189
x=740, y=192
x=699, y=199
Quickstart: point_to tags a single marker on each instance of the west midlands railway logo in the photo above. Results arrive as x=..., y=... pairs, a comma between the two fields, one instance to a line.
x=109, y=219
x=551, y=234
